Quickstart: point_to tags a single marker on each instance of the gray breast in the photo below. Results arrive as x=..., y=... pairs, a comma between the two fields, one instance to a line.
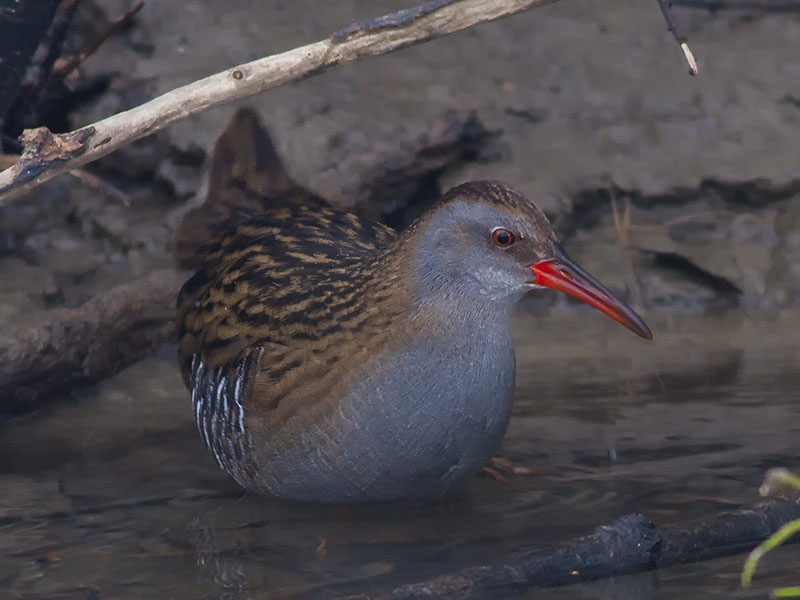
x=427, y=418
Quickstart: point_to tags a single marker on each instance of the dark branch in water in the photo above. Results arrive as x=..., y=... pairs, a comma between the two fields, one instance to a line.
x=631, y=543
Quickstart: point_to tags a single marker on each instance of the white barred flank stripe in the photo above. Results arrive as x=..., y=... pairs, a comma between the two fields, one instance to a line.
x=220, y=415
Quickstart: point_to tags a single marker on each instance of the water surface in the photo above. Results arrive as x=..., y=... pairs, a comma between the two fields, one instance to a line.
x=111, y=495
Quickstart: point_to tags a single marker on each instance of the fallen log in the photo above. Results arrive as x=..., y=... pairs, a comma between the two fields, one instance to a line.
x=630, y=544
x=76, y=346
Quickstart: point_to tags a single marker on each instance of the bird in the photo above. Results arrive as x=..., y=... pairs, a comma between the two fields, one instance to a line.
x=333, y=359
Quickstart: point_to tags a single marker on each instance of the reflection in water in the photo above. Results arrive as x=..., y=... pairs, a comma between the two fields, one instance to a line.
x=113, y=494
x=224, y=568
x=713, y=374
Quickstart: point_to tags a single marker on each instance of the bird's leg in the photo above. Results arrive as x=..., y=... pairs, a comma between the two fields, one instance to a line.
x=500, y=468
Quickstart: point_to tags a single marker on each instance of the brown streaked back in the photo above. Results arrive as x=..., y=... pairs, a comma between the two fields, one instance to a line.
x=272, y=260
x=246, y=178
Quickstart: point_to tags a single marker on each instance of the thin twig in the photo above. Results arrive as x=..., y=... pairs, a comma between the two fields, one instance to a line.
x=664, y=5
x=371, y=38
x=684, y=219
x=102, y=185
x=55, y=49
x=68, y=65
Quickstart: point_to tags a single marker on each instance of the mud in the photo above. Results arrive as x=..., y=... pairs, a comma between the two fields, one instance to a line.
x=591, y=105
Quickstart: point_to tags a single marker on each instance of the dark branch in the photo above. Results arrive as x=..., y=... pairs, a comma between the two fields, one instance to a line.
x=55, y=49
x=76, y=346
x=664, y=5
x=629, y=544
x=401, y=18
x=70, y=64
x=22, y=26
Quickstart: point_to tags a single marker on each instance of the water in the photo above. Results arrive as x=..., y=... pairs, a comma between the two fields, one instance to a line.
x=111, y=495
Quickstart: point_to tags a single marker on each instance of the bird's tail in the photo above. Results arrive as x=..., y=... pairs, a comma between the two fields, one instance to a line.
x=246, y=178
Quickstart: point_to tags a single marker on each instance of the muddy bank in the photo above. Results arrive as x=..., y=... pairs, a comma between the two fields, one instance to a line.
x=679, y=192
x=586, y=101
x=582, y=92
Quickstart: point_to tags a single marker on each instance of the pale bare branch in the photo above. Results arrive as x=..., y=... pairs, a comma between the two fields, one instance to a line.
x=369, y=38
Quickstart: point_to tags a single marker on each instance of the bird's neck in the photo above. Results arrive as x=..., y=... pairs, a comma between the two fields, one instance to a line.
x=432, y=294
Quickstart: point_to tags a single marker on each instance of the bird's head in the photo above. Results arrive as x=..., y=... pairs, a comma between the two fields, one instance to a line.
x=486, y=243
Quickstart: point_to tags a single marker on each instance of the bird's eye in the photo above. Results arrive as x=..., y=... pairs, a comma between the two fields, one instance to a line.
x=503, y=237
